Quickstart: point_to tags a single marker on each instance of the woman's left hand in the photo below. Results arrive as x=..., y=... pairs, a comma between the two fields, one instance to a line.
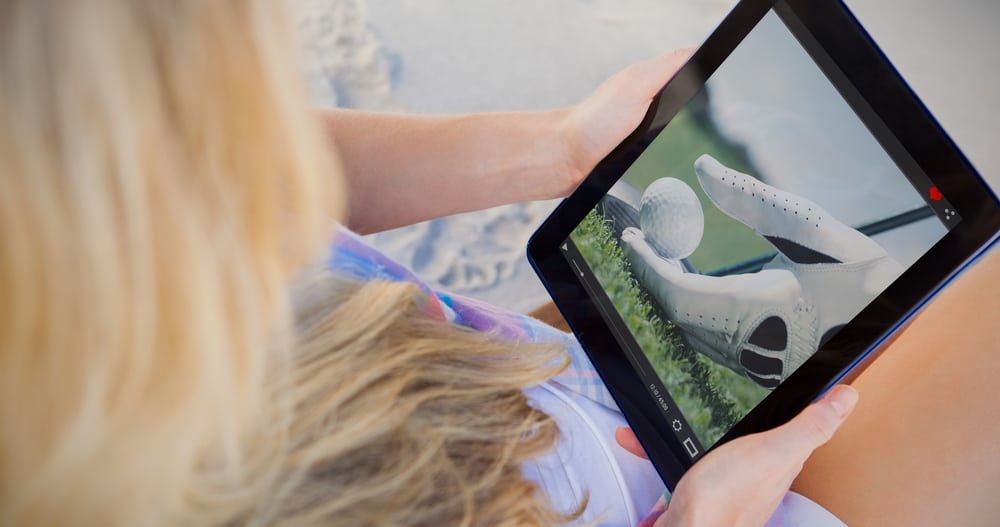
x=402, y=169
x=605, y=118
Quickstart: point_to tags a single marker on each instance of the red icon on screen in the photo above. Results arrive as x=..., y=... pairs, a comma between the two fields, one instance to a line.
x=936, y=194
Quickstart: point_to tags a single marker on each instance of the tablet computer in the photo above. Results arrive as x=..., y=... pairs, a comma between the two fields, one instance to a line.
x=786, y=205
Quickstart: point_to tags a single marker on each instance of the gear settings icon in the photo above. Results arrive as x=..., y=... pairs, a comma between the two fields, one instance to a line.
x=677, y=425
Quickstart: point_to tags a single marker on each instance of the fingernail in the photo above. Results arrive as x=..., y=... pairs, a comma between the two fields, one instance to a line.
x=654, y=514
x=842, y=399
x=662, y=503
x=650, y=520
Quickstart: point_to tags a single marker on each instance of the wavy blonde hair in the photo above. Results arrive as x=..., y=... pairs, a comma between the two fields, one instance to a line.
x=405, y=420
x=163, y=180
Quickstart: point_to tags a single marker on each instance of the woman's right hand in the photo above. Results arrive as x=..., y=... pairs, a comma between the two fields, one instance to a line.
x=742, y=482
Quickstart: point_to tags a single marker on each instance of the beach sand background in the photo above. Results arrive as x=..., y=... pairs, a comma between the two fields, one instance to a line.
x=451, y=56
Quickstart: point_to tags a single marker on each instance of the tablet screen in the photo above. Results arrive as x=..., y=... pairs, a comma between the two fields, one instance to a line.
x=761, y=219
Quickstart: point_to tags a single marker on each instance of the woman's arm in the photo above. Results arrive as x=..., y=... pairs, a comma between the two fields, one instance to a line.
x=402, y=169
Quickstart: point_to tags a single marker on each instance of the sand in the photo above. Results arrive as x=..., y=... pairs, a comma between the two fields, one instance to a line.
x=448, y=56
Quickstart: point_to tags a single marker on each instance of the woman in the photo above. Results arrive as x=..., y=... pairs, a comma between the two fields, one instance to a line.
x=164, y=181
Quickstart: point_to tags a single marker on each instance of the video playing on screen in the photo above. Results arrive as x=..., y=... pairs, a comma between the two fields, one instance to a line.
x=760, y=221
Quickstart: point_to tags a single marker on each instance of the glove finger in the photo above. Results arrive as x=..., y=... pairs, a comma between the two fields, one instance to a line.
x=798, y=228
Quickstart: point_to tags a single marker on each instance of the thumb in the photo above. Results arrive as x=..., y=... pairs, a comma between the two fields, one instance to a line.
x=815, y=425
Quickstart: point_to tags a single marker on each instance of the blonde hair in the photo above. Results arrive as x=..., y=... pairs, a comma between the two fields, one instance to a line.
x=405, y=420
x=155, y=156
x=163, y=181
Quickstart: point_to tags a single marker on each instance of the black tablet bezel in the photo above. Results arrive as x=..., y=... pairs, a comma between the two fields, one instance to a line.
x=886, y=96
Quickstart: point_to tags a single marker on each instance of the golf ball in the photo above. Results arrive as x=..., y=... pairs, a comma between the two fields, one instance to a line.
x=671, y=218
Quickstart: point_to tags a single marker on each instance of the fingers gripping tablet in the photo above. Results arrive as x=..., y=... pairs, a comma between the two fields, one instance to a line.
x=786, y=205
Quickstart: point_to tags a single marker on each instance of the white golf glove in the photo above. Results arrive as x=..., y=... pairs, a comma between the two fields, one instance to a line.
x=766, y=324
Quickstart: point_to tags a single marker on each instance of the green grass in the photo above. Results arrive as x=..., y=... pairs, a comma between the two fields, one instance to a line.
x=711, y=397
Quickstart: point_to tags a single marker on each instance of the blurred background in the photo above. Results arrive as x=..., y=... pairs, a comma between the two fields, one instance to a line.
x=450, y=56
